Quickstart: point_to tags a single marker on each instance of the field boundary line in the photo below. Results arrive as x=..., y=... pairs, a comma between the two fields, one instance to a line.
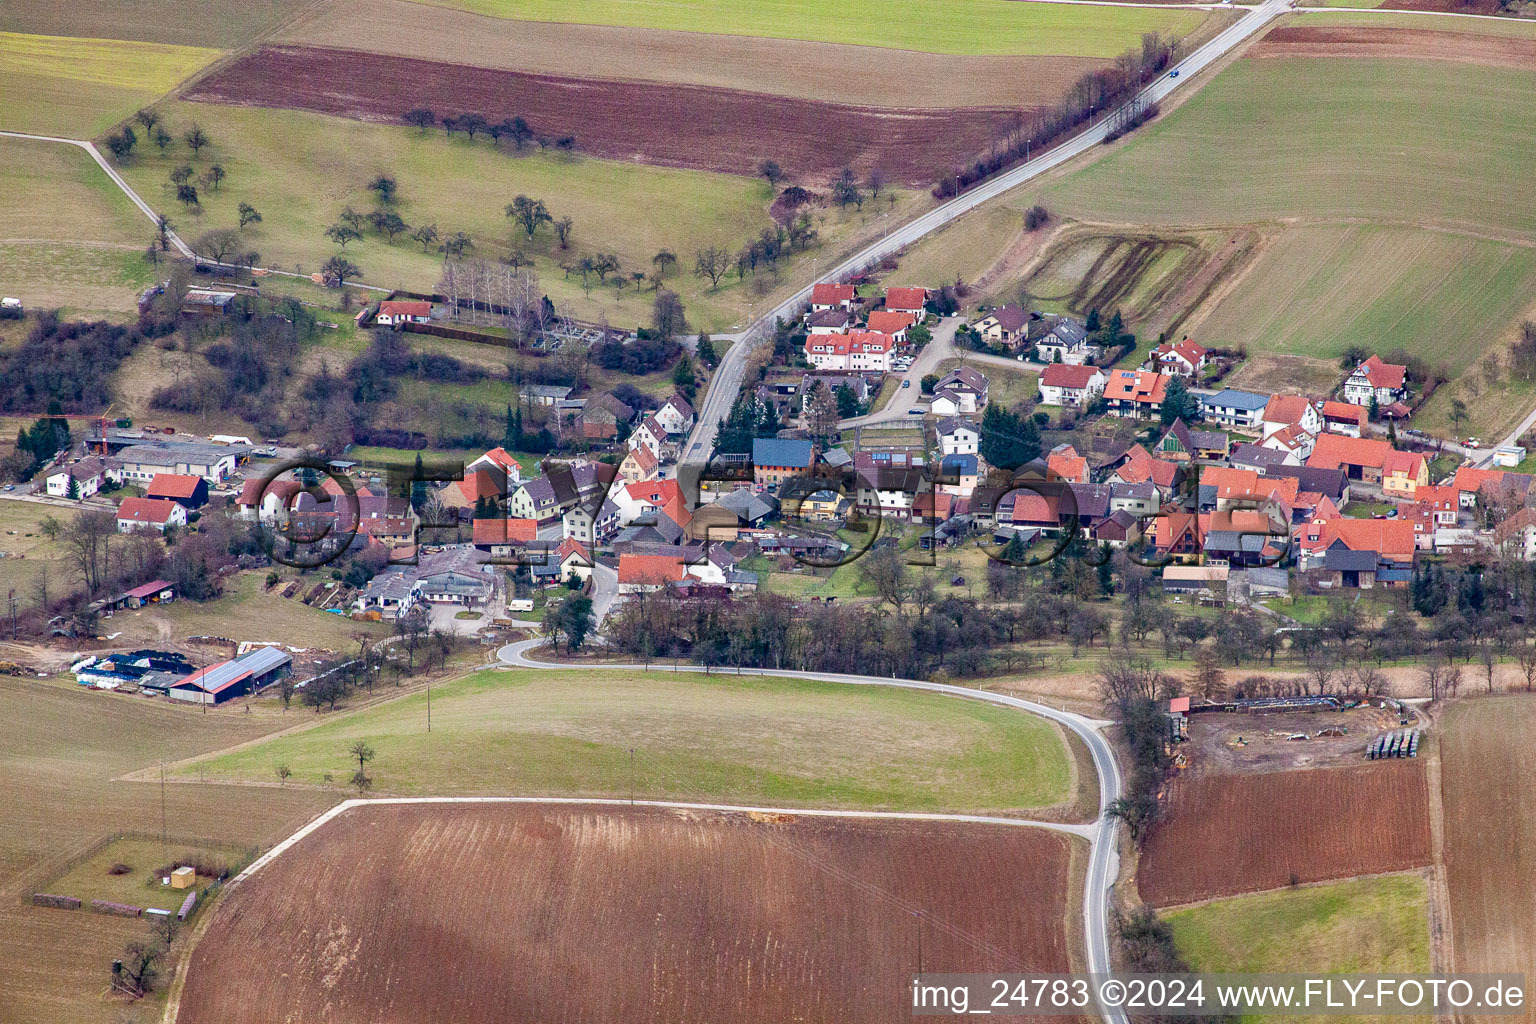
x=1399, y=10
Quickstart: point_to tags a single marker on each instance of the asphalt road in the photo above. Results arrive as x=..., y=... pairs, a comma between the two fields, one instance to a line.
x=1104, y=857
x=722, y=393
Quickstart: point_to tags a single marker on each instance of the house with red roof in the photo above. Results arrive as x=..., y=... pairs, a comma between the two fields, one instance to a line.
x=498, y=460
x=892, y=322
x=640, y=464
x=399, y=312
x=644, y=573
x=829, y=295
x=1135, y=394
x=1403, y=473
x=188, y=491
x=1361, y=458
x=1179, y=358
x=1140, y=467
x=1360, y=552
x=1065, y=463
x=1063, y=384
x=906, y=300
x=1290, y=410
x=1343, y=418
x=500, y=537
x=157, y=514
x=856, y=350
x=1385, y=382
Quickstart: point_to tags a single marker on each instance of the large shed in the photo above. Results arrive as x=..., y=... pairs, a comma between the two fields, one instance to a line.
x=236, y=677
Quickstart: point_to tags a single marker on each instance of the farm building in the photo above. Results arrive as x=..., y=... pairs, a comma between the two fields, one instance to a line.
x=206, y=302
x=185, y=489
x=236, y=677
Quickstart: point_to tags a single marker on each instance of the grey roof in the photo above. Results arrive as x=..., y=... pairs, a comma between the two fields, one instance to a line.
x=768, y=451
x=1233, y=540
x=1343, y=559
x=1254, y=456
x=748, y=506
x=1229, y=398
x=1068, y=332
x=837, y=316
x=965, y=376
x=1273, y=579
x=836, y=457
x=263, y=660
x=1330, y=482
x=157, y=453
x=1144, y=491
x=950, y=424
x=1092, y=500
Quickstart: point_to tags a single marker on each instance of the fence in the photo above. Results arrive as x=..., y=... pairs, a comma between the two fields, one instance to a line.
x=48, y=873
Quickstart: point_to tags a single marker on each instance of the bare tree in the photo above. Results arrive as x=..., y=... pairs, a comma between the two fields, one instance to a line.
x=88, y=538
x=712, y=262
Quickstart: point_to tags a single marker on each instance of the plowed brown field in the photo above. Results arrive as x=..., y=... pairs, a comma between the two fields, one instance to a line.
x=1229, y=834
x=830, y=72
x=1420, y=44
x=501, y=912
x=675, y=125
x=1488, y=779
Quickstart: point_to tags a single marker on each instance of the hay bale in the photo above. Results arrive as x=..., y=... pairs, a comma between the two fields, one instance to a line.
x=117, y=909
x=45, y=899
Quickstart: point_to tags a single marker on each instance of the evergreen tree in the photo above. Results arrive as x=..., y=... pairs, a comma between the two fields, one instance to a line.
x=1006, y=442
x=1093, y=321
x=418, y=485
x=1178, y=403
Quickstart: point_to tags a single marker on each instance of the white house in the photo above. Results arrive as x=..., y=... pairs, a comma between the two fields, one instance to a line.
x=1064, y=384
x=1066, y=342
x=676, y=416
x=497, y=461
x=1385, y=382
x=829, y=321
x=906, y=300
x=398, y=312
x=651, y=434
x=958, y=436
x=1181, y=358
x=961, y=390
x=1232, y=408
x=1283, y=411
x=89, y=474
x=857, y=350
x=828, y=295
x=156, y=514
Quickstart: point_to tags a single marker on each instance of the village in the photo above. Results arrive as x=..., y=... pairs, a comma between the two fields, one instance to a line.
x=1234, y=495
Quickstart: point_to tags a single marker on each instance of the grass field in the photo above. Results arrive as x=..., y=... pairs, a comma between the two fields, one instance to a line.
x=1430, y=22
x=248, y=611
x=225, y=24
x=20, y=535
x=55, y=85
x=1320, y=289
x=1393, y=183
x=729, y=738
x=68, y=236
x=1386, y=140
x=140, y=886
x=962, y=250
x=300, y=170
x=1379, y=925
x=931, y=26
x=60, y=749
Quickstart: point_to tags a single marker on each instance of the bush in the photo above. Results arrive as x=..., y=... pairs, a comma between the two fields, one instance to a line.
x=1036, y=217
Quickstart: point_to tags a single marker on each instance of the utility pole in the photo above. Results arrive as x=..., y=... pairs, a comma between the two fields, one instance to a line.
x=429, y=705
x=631, y=776
x=919, y=914
x=164, y=845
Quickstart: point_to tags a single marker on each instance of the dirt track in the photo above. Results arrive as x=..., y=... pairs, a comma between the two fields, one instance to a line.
x=1230, y=834
x=430, y=913
x=1420, y=44
x=675, y=125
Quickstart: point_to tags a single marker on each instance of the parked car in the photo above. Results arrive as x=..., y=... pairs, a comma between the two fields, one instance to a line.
x=906, y=383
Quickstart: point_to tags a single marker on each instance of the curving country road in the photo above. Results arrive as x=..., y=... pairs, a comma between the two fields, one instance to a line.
x=1104, y=857
x=727, y=382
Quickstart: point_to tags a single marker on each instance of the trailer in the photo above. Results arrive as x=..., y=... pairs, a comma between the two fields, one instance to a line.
x=1413, y=744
